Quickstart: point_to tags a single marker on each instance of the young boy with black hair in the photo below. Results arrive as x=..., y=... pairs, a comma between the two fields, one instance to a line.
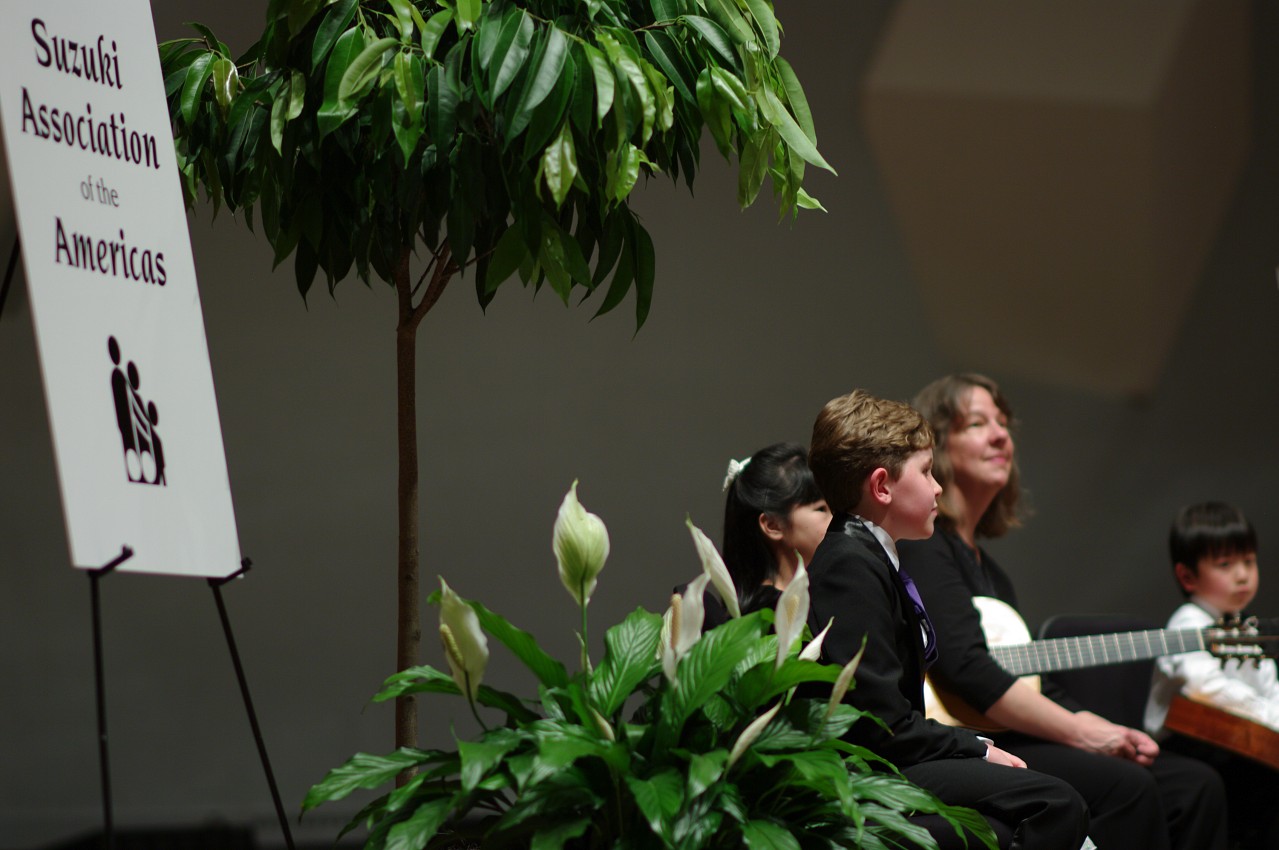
x=1213, y=548
x=872, y=459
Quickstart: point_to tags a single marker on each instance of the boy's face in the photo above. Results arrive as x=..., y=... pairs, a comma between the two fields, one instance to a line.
x=1226, y=582
x=914, y=499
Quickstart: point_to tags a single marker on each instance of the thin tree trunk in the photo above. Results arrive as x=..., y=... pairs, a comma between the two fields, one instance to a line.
x=408, y=619
x=409, y=630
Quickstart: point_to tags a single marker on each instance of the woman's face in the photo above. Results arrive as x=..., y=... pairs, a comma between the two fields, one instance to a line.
x=805, y=527
x=980, y=447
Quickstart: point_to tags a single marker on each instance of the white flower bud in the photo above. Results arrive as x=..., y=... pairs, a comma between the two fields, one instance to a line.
x=581, y=547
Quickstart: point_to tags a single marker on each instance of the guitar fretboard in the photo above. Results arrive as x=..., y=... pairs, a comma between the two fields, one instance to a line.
x=1047, y=656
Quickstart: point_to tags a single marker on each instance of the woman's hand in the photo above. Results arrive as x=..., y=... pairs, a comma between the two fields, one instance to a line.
x=1098, y=735
x=994, y=755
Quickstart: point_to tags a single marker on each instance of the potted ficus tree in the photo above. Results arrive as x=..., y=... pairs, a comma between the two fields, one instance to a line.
x=418, y=141
x=675, y=739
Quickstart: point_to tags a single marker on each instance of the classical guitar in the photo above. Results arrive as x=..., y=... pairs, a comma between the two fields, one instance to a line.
x=1222, y=729
x=1012, y=648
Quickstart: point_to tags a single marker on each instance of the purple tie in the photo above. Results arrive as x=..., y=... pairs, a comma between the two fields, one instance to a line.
x=930, y=639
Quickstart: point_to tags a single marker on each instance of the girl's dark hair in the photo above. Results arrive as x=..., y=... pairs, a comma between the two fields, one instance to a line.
x=1209, y=530
x=774, y=481
x=944, y=403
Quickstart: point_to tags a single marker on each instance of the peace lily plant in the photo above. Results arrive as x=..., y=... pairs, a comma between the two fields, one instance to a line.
x=677, y=738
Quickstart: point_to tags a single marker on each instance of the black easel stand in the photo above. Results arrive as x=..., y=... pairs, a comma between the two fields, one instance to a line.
x=108, y=823
x=216, y=585
x=8, y=274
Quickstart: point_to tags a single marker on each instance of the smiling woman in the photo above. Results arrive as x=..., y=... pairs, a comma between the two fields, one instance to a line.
x=1137, y=797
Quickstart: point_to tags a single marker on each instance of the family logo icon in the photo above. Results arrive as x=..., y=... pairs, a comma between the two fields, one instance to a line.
x=139, y=439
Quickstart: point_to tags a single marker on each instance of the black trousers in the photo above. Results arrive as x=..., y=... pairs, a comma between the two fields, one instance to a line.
x=1252, y=791
x=1045, y=813
x=1178, y=803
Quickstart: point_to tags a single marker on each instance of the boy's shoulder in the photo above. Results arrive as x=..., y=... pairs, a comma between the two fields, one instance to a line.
x=848, y=542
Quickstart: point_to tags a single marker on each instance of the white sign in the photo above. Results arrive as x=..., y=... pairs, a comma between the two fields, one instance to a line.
x=112, y=287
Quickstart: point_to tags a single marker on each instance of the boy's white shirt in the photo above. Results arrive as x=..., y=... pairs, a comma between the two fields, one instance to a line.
x=1243, y=688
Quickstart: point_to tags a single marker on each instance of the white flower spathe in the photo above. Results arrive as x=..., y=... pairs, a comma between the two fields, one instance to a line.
x=750, y=733
x=465, y=645
x=683, y=626
x=580, y=542
x=713, y=566
x=813, y=652
x=844, y=681
x=792, y=613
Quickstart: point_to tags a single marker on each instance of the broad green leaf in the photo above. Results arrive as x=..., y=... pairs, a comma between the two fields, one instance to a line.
x=645, y=273
x=300, y=12
x=335, y=22
x=554, y=836
x=545, y=72
x=551, y=257
x=624, y=275
x=551, y=113
x=362, y=770
x=425, y=679
x=441, y=108
x=548, y=670
x=775, y=113
x=707, y=667
x=664, y=10
x=510, y=250
x=760, y=684
x=610, y=247
x=667, y=56
x=715, y=112
x=766, y=23
x=623, y=170
x=727, y=15
x=662, y=99
x=297, y=95
x=468, y=12
x=197, y=75
x=404, y=18
x=796, y=100
x=658, y=798
x=603, y=74
x=279, y=115
x=808, y=202
x=361, y=74
x=420, y=827
x=630, y=653
x=815, y=766
x=560, y=744
x=226, y=81
x=559, y=165
x=434, y=28
x=715, y=38
x=768, y=835
x=510, y=52
x=410, y=82
x=704, y=770
x=332, y=113
x=479, y=757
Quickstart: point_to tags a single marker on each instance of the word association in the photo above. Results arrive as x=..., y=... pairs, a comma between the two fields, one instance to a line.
x=93, y=62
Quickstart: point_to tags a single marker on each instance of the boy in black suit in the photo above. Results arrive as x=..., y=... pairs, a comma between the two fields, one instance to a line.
x=872, y=460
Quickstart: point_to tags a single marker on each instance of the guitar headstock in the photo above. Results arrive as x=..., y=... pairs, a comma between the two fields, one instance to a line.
x=1245, y=639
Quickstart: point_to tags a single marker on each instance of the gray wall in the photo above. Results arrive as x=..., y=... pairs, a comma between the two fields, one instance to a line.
x=754, y=326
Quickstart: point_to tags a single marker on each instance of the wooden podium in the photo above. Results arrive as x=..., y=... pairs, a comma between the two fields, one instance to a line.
x=1222, y=729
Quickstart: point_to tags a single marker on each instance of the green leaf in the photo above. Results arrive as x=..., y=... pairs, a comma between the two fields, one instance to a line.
x=796, y=100
x=794, y=136
x=645, y=273
x=730, y=18
x=704, y=770
x=441, y=108
x=404, y=18
x=336, y=20
x=603, y=73
x=715, y=37
x=279, y=114
x=300, y=12
x=425, y=679
x=551, y=258
x=420, y=827
x=479, y=757
x=197, y=75
x=766, y=23
x=507, y=255
x=707, y=667
x=548, y=671
x=468, y=12
x=362, y=770
x=332, y=113
x=559, y=165
x=554, y=836
x=630, y=657
x=545, y=73
x=768, y=835
x=434, y=28
x=361, y=74
x=622, y=168
x=624, y=276
x=664, y=10
x=658, y=798
x=509, y=53
x=225, y=81
x=667, y=56
x=610, y=247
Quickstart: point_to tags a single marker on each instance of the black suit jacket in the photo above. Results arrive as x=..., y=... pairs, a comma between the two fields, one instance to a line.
x=853, y=581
